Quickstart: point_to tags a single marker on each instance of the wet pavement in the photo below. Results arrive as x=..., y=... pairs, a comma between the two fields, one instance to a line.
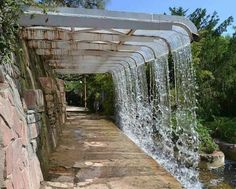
x=94, y=154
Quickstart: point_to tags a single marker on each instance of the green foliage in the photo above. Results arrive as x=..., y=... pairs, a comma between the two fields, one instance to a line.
x=10, y=11
x=101, y=84
x=89, y=4
x=74, y=85
x=99, y=88
x=215, y=63
x=223, y=128
x=207, y=144
x=70, y=77
x=179, y=11
x=214, y=58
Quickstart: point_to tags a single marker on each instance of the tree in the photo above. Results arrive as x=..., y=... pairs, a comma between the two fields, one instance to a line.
x=214, y=60
x=178, y=11
x=90, y=4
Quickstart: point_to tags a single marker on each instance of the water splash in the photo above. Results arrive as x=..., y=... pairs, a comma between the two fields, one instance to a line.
x=155, y=106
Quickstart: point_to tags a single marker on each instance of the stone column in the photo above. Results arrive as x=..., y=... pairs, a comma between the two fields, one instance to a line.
x=54, y=97
x=62, y=100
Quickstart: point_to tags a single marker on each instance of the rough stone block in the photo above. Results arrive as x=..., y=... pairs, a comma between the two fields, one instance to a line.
x=9, y=160
x=24, y=104
x=10, y=98
x=25, y=176
x=212, y=161
x=7, y=133
x=17, y=178
x=2, y=160
x=31, y=116
x=34, y=145
x=49, y=97
x=228, y=149
x=60, y=83
x=24, y=162
x=2, y=75
x=17, y=125
x=47, y=83
x=17, y=153
x=25, y=139
x=50, y=104
x=34, y=98
x=35, y=173
x=9, y=184
x=32, y=121
x=7, y=111
x=33, y=131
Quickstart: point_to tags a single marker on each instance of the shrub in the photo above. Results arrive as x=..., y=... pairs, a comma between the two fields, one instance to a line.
x=223, y=128
x=207, y=144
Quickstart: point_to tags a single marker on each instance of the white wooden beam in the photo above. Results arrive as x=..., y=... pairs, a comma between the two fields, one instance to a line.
x=61, y=52
x=84, y=70
x=59, y=59
x=63, y=19
x=80, y=46
x=75, y=17
x=55, y=35
x=131, y=56
x=78, y=62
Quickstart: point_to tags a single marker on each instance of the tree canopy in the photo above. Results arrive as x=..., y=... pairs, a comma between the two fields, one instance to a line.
x=215, y=63
x=90, y=4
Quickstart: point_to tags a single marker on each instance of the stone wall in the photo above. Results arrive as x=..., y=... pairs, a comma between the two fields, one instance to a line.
x=2, y=160
x=32, y=113
x=21, y=164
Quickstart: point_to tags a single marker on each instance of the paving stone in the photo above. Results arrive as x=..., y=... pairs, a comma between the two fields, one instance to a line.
x=60, y=184
x=88, y=150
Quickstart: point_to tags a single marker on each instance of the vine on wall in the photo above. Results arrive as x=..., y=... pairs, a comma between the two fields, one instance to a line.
x=10, y=11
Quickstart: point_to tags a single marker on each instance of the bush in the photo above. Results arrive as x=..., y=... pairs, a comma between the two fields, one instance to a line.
x=207, y=144
x=223, y=128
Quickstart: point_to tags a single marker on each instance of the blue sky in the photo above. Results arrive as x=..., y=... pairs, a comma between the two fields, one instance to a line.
x=225, y=8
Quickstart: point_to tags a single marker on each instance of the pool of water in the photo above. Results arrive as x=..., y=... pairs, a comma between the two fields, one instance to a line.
x=222, y=178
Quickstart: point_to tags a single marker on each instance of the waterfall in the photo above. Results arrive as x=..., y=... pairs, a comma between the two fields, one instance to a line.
x=155, y=105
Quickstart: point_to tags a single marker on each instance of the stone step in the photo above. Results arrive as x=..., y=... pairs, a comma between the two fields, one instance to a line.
x=57, y=185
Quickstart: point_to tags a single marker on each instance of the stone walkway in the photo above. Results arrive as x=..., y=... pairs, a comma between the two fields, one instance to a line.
x=95, y=154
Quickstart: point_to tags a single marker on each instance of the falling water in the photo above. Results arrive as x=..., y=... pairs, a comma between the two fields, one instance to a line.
x=155, y=106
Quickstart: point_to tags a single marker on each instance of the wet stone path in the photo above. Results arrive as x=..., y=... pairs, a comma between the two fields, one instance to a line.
x=94, y=154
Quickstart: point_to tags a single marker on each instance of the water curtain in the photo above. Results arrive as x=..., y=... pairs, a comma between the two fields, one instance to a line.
x=155, y=107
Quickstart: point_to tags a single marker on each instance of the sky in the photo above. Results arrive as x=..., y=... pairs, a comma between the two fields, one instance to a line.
x=224, y=8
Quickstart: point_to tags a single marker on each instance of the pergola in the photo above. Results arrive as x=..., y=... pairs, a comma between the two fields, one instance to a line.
x=83, y=41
